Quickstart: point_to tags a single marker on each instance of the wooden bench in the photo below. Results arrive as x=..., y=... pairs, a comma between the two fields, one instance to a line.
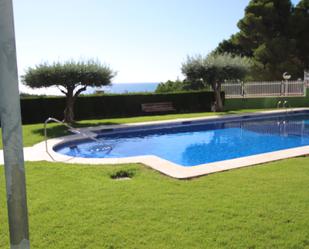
x=158, y=107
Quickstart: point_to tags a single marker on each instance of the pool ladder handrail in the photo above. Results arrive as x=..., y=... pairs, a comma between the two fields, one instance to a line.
x=90, y=135
x=285, y=104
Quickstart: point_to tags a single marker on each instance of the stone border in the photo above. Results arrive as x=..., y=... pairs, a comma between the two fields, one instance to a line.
x=38, y=153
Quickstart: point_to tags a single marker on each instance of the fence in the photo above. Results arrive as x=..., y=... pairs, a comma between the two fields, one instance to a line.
x=264, y=89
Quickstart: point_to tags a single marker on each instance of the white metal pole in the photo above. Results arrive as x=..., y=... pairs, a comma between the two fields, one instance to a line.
x=12, y=132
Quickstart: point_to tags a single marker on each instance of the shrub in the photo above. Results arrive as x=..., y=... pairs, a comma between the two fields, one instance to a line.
x=123, y=173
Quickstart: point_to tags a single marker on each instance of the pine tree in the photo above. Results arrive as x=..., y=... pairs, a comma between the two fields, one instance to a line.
x=265, y=30
x=275, y=35
x=301, y=32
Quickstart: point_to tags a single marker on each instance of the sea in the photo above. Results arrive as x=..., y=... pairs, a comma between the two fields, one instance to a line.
x=126, y=88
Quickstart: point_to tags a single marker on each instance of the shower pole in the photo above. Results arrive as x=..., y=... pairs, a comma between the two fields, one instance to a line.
x=12, y=131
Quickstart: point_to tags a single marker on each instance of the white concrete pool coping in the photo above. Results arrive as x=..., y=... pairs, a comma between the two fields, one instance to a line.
x=38, y=152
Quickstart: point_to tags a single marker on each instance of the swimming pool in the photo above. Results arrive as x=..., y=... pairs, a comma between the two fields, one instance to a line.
x=194, y=143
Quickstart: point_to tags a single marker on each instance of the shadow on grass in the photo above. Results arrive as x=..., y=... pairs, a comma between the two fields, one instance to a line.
x=52, y=132
x=229, y=112
x=57, y=130
x=93, y=124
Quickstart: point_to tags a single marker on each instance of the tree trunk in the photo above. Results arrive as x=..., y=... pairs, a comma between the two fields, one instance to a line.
x=69, y=109
x=218, y=100
x=219, y=103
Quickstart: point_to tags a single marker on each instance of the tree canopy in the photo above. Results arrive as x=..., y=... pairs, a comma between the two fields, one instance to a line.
x=170, y=86
x=232, y=46
x=71, y=77
x=275, y=35
x=301, y=32
x=213, y=69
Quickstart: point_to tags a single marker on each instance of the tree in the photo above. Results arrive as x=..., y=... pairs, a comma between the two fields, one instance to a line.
x=170, y=86
x=71, y=77
x=266, y=30
x=275, y=35
x=179, y=86
x=301, y=33
x=214, y=69
x=233, y=47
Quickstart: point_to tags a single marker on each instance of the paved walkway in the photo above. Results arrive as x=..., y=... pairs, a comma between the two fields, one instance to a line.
x=34, y=153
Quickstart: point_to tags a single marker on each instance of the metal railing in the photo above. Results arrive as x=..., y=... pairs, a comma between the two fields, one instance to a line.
x=88, y=134
x=264, y=89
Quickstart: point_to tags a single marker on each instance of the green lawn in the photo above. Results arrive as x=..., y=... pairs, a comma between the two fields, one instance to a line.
x=34, y=133
x=74, y=206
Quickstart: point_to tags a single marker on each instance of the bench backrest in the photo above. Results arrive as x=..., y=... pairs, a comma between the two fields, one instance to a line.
x=158, y=107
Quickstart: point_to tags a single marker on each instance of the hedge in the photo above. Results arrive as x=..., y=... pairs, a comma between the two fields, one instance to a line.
x=37, y=110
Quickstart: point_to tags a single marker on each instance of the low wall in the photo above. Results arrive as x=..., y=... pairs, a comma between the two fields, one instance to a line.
x=269, y=102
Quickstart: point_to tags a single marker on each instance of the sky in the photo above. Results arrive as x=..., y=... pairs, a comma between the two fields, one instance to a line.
x=142, y=40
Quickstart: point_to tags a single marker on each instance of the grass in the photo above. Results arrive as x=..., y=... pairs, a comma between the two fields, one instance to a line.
x=78, y=206
x=34, y=133
x=74, y=206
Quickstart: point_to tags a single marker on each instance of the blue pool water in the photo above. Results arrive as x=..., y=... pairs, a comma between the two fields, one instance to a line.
x=193, y=144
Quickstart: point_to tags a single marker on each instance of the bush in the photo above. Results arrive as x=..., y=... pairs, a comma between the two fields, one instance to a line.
x=181, y=86
x=170, y=86
x=123, y=173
